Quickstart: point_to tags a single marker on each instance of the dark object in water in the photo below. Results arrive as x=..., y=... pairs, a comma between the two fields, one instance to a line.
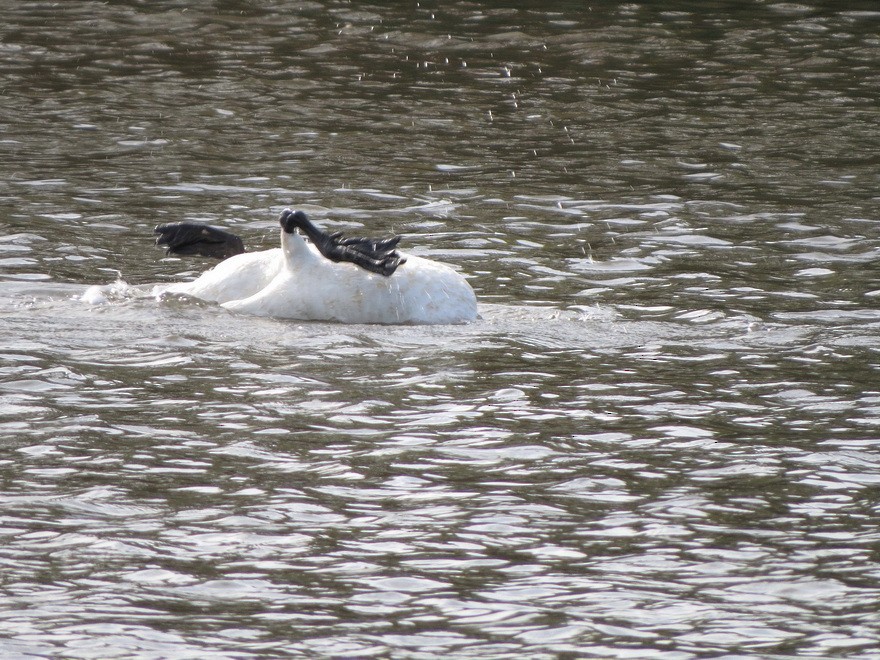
x=194, y=238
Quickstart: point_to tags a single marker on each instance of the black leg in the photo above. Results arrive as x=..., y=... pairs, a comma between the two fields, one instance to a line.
x=375, y=255
x=194, y=238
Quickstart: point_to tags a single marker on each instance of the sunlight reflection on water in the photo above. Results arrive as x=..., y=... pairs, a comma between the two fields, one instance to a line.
x=664, y=422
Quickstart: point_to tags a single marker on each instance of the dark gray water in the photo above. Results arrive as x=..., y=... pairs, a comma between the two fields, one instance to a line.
x=661, y=439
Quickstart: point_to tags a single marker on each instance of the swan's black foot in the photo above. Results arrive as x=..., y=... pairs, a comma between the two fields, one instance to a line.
x=375, y=255
x=194, y=238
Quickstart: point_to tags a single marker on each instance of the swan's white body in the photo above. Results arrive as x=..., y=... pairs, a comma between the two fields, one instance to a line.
x=295, y=281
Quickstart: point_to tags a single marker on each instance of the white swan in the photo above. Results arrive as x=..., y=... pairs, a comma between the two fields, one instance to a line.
x=297, y=281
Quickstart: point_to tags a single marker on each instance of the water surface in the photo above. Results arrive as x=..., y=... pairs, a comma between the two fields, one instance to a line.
x=659, y=440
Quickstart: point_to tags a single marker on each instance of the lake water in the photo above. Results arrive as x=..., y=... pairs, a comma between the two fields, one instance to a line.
x=661, y=439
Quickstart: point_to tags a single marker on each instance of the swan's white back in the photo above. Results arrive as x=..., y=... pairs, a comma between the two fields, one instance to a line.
x=297, y=282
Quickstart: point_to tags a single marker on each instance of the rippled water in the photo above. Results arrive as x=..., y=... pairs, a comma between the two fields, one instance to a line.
x=660, y=439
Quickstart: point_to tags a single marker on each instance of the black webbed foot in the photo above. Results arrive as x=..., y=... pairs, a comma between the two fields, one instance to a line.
x=371, y=245
x=194, y=238
x=375, y=255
